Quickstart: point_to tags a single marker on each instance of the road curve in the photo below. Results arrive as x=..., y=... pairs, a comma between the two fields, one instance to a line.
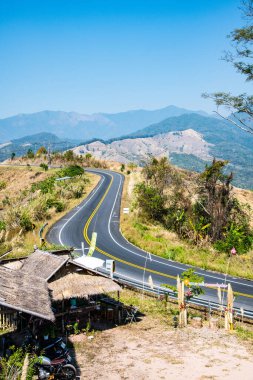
x=100, y=212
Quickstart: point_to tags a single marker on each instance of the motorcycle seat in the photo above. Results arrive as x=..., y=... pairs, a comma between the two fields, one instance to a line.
x=58, y=361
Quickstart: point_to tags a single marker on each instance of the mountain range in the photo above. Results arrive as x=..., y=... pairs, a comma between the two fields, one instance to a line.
x=81, y=127
x=189, y=139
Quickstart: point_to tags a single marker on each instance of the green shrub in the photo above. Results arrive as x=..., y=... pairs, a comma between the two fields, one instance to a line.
x=189, y=276
x=2, y=225
x=11, y=367
x=69, y=155
x=39, y=209
x=151, y=203
x=239, y=237
x=2, y=185
x=71, y=171
x=59, y=206
x=6, y=201
x=25, y=221
x=78, y=191
x=30, y=153
x=46, y=186
x=44, y=166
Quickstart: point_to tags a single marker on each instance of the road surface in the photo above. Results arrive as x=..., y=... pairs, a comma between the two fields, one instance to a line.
x=100, y=212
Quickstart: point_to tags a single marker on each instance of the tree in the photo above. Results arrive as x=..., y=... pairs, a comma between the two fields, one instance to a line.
x=41, y=150
x=13, y=156
x=215, y=198
x=240, y=106
x=219, y=213
x=30, y=153
x=150, y=202
x=69, y=155
x=160, y=174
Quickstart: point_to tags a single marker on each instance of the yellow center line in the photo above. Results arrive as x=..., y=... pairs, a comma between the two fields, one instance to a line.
x=86, y=237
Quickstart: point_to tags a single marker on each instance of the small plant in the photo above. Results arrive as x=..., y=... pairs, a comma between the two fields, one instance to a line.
x=25, y=222
x=190, y=277
x=44, y=166
x=2, y=185
x=6, y=201
x=11, y=367
x=2, y=225
x=76, y=327
x=122, y=168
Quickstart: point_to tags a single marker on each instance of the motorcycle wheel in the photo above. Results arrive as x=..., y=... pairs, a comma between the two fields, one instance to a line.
x=69, y=372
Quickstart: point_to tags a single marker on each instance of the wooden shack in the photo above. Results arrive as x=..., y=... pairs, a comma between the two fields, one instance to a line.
x=22, y=292
x=50, y=286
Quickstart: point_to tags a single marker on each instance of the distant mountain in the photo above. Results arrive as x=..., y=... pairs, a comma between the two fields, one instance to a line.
x=187, y=142
x=49, y=140
x=213, y=138
x=83, y=127
x=134, y=120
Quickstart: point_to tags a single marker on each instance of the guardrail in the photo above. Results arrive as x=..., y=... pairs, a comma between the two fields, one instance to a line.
x=160, y=290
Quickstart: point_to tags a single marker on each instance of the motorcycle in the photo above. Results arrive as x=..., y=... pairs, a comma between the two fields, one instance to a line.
x=54, y=348
x=55, y=369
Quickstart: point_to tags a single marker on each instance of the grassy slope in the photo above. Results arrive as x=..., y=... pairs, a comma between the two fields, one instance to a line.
x=19, y=179
x=157, y=240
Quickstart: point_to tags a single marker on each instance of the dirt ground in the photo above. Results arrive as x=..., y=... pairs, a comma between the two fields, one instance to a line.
x=150, y=350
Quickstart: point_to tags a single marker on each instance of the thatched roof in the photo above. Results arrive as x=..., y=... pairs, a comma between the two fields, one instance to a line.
x=25, y=292
x=81, y=285
x=43, y=264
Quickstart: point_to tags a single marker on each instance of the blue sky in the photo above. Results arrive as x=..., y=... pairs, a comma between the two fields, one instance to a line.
x=114, y=55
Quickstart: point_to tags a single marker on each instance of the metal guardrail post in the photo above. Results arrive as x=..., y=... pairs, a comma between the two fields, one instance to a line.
x=41, y=232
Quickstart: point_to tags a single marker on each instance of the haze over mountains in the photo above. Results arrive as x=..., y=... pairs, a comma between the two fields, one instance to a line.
x=72, y=125
x=190, y=139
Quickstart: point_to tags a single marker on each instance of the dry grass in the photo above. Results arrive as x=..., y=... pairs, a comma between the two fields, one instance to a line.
x=20, y=179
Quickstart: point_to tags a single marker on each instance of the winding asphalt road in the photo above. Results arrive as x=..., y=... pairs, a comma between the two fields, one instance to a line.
x=100, y=212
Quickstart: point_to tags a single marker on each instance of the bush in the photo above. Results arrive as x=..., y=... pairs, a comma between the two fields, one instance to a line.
x=78, y=191
x=69, y=155
x=2, y=185
x=39, y=209
x=44, y=166
x=150, y=201
x=45, y=186
x=25, y=221
x=239, y=237
x=71, y=171
x=2, y=225
x=11, y=367
x=59, y=206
